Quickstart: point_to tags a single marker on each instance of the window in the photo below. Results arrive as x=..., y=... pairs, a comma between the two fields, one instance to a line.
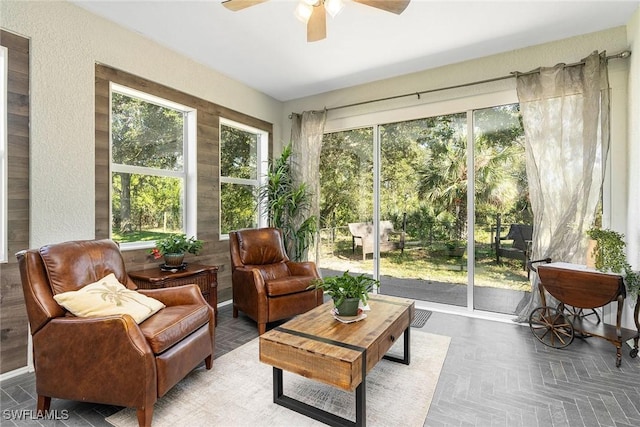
x=3, y=154
x=243, y=166
x=152, y=167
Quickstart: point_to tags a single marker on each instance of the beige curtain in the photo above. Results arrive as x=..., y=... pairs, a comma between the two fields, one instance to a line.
x=307, y=130
x=565, y=110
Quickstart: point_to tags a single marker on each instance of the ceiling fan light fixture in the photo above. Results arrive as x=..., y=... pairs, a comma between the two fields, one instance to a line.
x=333, y=7
x=303, y=11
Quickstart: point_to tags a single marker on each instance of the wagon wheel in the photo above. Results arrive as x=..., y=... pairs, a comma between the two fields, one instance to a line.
x=582, y=314
x=550, y=327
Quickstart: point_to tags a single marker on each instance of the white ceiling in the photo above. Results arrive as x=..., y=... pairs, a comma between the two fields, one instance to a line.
x=265, y=46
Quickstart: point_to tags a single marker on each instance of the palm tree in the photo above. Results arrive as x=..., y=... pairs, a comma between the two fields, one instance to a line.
x=498, y=168
x=288, y=206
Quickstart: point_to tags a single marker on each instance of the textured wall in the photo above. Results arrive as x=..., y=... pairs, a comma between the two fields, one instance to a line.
x=66, y=42
x=633, y=159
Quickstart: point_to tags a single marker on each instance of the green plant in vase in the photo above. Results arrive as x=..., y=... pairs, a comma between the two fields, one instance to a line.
x=347, y=291
x=610, y=256
x=174, y=247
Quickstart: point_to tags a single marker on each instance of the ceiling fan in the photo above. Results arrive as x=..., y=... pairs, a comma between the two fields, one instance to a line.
x=314, y=12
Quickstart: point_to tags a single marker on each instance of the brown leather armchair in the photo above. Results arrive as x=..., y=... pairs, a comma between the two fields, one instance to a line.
x=267, y=286
x=111, y=359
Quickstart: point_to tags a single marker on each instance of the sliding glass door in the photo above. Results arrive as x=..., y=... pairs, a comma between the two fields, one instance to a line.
x=416, y=205
x=346, y=202
x=423, y=194
x=503, y=218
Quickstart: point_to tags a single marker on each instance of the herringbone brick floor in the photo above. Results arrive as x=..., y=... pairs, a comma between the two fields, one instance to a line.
x=498, y=374
x=495, y=374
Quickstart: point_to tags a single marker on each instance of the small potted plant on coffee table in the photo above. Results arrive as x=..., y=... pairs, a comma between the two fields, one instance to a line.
x=174, y=247
x=347, y=291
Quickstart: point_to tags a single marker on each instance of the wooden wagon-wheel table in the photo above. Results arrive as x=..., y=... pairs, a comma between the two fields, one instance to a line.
x=578, y=288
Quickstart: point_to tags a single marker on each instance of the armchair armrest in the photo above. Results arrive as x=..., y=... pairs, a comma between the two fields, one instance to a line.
x=402, y=238
x=402, y=234
x=305, y=268
x=250, y=277
x=105, y=359
x=178, y=295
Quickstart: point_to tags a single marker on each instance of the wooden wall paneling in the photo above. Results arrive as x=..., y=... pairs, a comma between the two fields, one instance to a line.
x=102, y=175
x=14, y=330
x=215, y=251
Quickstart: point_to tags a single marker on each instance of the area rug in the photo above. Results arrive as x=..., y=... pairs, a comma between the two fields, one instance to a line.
x=238, y=391
x=421, y=317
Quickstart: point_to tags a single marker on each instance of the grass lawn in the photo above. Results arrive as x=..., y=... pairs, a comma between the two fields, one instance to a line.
x=428, y=263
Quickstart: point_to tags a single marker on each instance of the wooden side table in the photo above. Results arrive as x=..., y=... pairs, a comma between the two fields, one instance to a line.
x=205, y=276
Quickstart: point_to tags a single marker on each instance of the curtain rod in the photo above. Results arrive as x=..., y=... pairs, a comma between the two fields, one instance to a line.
x=621, y=55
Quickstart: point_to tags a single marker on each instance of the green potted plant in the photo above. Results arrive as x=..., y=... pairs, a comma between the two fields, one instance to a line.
x=609, y=256
x=174, y=247
x=288, y=206
x=347, y=291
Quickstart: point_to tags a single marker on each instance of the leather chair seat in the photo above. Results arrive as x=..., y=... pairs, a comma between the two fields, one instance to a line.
x=288, y=285
x=172, y=324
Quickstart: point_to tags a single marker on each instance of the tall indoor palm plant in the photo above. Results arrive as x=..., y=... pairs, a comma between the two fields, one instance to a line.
x=288, y=206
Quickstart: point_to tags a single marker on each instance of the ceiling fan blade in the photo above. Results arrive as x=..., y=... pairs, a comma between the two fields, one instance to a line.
x=317, y=25
x=393, y=6
x=236, y=5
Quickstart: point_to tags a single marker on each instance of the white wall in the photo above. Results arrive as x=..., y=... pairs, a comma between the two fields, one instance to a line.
x=633, y=227
x=633, y=141
x=66, y=42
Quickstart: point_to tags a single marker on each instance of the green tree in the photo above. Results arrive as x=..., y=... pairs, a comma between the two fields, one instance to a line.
x=424, y=174
x=501, y=181
x=346, y=177
x=146, y=135
x=288, y=206
x=443, y=178
x=238, y=160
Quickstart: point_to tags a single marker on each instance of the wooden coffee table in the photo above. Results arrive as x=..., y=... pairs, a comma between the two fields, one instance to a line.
x=317, y=346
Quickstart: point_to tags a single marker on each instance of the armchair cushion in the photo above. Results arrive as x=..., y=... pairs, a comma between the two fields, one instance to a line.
x=172, y=324
x=288, y=285
x=107, y=297
x=273, y=271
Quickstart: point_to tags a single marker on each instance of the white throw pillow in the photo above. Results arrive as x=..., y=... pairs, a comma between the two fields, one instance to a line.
x=106, y=297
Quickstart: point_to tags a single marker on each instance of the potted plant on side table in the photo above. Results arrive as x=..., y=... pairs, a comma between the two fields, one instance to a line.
x=347, y=291
x=174, y=247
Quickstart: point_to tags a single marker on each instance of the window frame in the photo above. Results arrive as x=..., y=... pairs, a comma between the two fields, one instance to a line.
x=262, y=152
x=188, y=174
